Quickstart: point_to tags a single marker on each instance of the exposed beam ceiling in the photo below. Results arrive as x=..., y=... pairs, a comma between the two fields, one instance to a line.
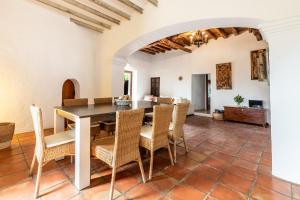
x=93, y=11
x=211, y=35
x=111, y=8
x=221, y=32
x=86, y=25
x=75, y=13
x=175, y=45
x=235, y=31
x=132, y=5
x=154, y=2
x=88, y=14
x=183, y=41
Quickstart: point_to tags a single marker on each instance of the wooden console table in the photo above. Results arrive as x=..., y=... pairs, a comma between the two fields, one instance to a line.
x=246, y=115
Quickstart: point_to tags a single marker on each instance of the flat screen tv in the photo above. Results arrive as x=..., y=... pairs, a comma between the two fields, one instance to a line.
x=255, y=104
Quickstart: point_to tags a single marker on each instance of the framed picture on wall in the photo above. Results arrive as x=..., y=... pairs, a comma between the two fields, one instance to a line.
x=224, y=76
x=259, y=65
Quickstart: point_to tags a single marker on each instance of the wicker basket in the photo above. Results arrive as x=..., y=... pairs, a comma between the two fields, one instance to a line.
x=218, y=116
x=6, y=134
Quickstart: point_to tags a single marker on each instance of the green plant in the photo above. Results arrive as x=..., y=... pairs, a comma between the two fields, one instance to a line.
x=238, y=99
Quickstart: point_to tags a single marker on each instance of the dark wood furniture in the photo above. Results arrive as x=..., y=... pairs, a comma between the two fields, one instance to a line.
x=155, y=86
x=246, y=115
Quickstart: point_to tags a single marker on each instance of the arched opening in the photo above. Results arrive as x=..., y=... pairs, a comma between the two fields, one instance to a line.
x=70, y=90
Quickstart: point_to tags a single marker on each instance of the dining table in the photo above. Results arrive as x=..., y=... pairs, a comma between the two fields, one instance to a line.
x=83, y=116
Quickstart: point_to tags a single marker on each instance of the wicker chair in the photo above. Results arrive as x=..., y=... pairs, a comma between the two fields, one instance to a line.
x=108, y=124
x=50, y=147
x=156, y=136
x=165, y=100
x=95, y=126
x=74, y=102
x=124, y=147
x=105, y=100
x=176, y=132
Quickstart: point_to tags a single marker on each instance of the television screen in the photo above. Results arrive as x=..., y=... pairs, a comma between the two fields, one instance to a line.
x=255, y=104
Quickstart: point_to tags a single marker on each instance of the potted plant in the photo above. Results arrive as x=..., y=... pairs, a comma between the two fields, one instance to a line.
x=238, y=99
x=6, y=134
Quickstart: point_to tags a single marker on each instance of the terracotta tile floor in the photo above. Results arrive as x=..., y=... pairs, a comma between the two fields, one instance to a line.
x=226, y=161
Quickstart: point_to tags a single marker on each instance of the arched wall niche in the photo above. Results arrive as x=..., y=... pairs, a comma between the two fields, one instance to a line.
x=70, y=89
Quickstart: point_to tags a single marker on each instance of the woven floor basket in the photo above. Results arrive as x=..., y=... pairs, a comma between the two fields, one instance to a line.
x=6, y=134
x=218, y=116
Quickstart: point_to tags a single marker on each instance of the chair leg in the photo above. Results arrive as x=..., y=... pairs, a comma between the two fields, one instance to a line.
x=170, y=154
x=141, y=169
x=185, y=146
x=112, y=184
x=174, y=151
x=151, y=164
x=32, y=165
x=37, y=183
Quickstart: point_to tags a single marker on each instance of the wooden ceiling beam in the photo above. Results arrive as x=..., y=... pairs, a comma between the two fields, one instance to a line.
x=86, y=25
x=164, y=47
x=211, y=34
x=154, y=2
x=175, y=45
x=179, y=40
x=235, y=31
x=93, y=11
x=132, y=5
x=158, y=49
x=221, y=32
x=151, y=50
x=75, y=13
x=146, y=51
x=257, y=34
x=111, y=8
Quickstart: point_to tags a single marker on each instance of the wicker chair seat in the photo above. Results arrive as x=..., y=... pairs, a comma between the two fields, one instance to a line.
x=59, y=138
x=148, y=143
x=146, y=132
x=59, y=151
x=103, y=149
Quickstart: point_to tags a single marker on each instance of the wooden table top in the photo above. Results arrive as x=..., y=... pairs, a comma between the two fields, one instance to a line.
x=96, y=110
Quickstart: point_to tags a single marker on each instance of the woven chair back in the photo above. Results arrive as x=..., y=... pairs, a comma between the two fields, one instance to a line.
x=165, y=100
x=37, y=119
x=181, y=110
x=76, y=102
x=105, y=100
x=127, y=136
x=162, y=116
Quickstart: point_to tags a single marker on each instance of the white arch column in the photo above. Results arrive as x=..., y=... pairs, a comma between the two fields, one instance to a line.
x=284, y=43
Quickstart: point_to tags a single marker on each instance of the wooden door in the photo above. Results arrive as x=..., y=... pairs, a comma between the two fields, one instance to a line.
x=68, y=91
x=155, y=86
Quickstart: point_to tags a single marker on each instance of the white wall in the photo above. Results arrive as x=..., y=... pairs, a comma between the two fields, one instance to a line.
x=140, y=65
x=198, y=91
x=39, y=49
x=283, y=37
x=203, y=61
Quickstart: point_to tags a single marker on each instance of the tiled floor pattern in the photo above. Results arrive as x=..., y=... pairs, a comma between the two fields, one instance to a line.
x=226, y=161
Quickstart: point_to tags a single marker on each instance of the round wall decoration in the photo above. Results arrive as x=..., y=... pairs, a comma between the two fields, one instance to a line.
x=180, y=78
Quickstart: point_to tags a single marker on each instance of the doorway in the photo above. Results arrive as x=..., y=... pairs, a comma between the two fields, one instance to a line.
x=155, y=86
x=201, y=93
x=128, y=83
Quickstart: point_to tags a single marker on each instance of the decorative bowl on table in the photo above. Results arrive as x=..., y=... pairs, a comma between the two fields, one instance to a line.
x=121, y=102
